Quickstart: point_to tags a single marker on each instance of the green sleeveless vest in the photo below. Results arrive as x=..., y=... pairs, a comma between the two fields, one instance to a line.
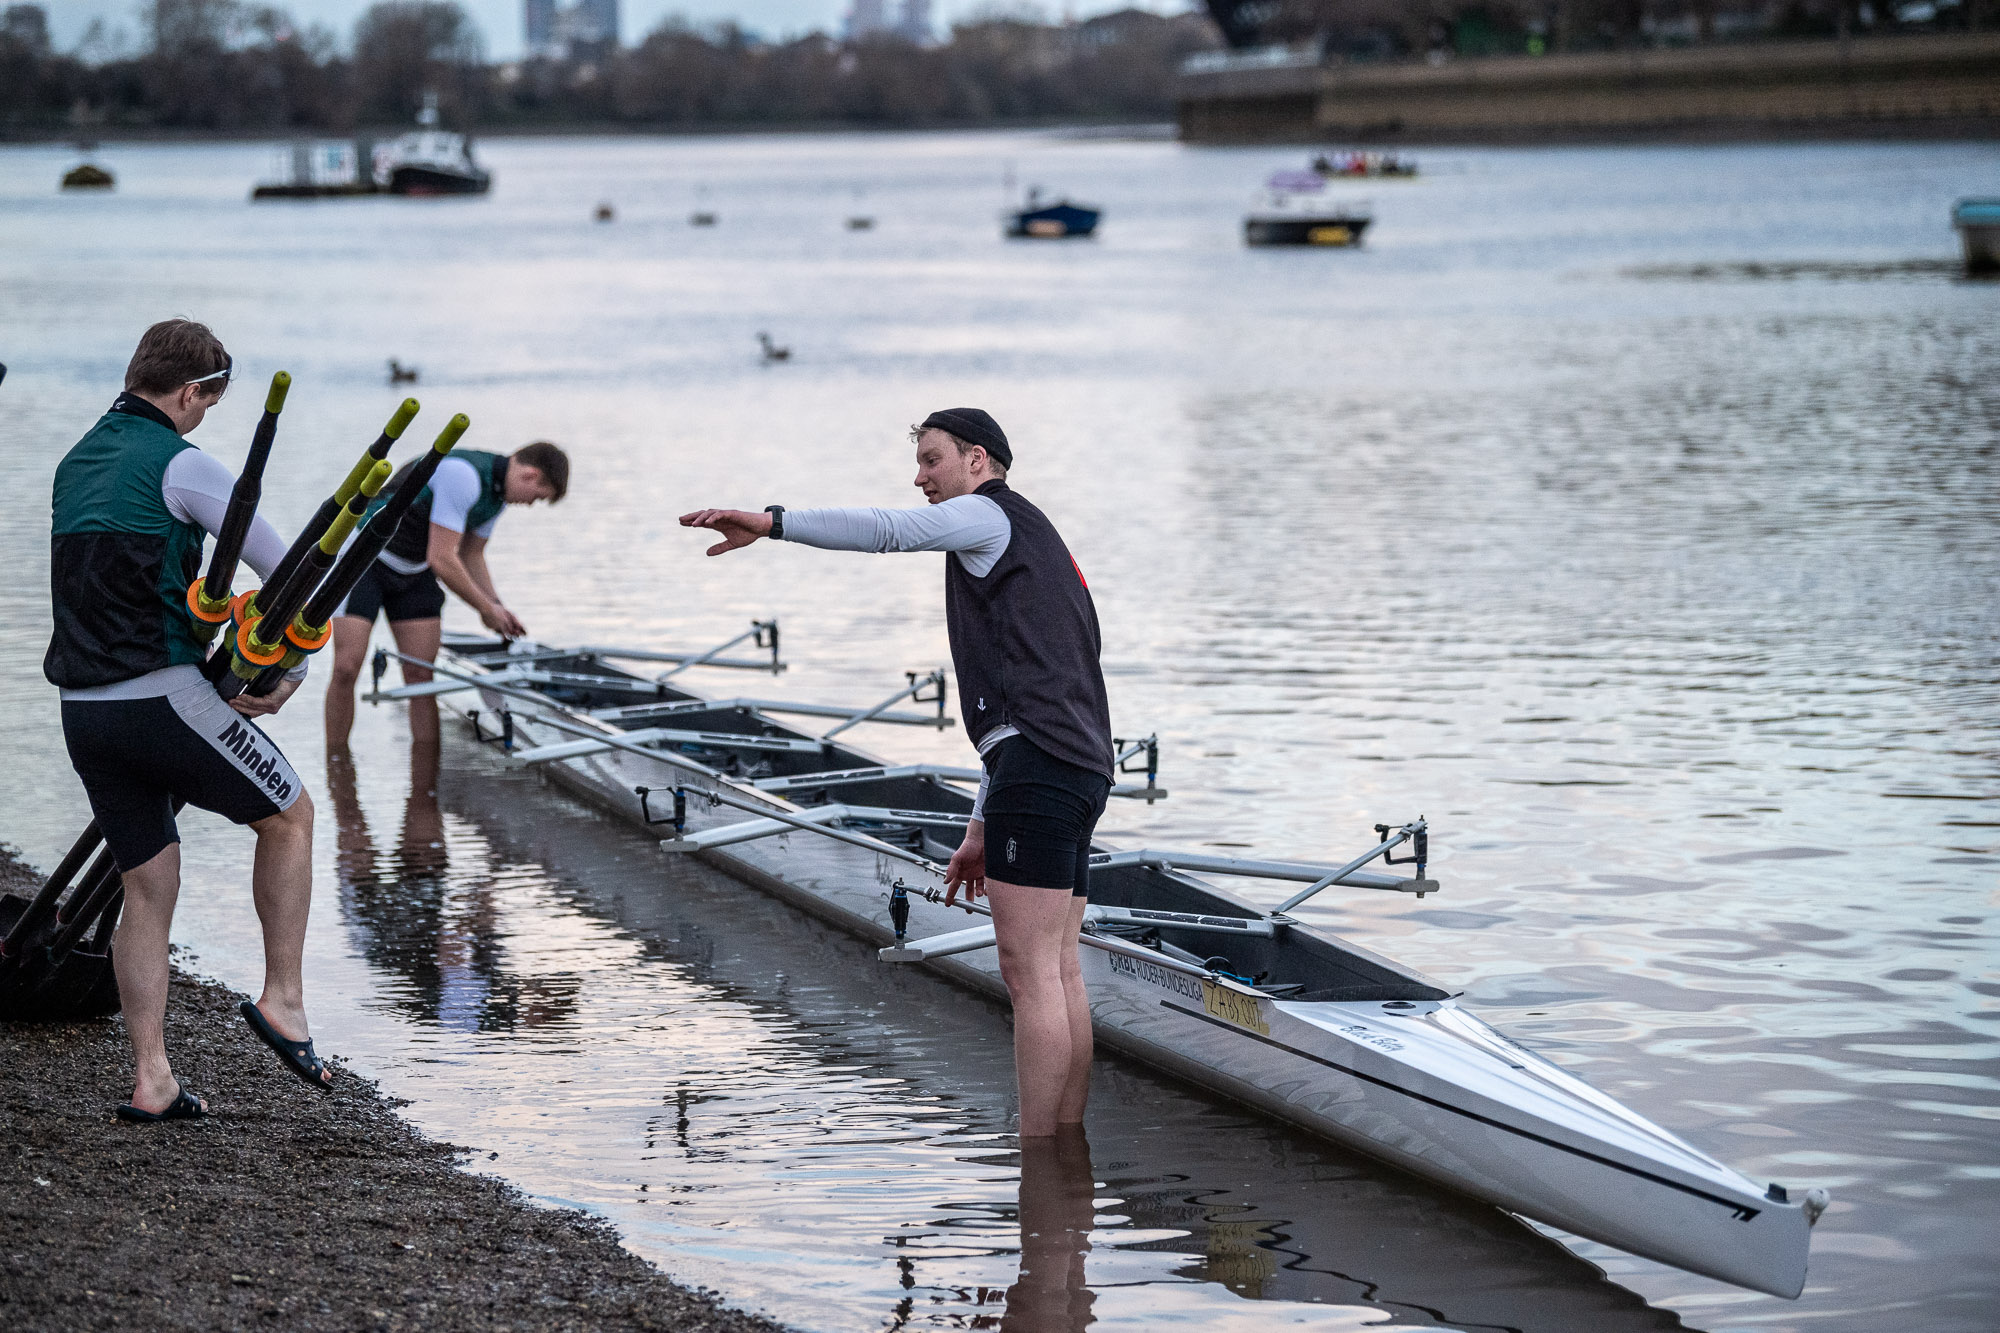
x=120, y=562
x=412, y=539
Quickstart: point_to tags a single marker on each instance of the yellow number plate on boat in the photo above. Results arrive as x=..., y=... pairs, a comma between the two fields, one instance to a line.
x=1233, y=1007
x=1329, y=236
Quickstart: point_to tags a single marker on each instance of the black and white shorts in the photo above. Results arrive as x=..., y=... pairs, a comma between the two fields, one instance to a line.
x=136, y=756
x=1039, y=815
x=415, y=596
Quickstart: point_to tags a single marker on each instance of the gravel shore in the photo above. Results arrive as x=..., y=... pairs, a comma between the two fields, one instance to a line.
x=284, y=1208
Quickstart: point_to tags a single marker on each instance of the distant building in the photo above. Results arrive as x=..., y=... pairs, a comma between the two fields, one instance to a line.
x=588, y=30
x=869, y=17
x=915, y=24
x=539, y=19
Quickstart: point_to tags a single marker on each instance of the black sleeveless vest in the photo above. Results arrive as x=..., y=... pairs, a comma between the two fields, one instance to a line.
x=1025, y=642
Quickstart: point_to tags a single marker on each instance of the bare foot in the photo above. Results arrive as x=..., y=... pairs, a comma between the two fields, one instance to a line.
x=156, y=1094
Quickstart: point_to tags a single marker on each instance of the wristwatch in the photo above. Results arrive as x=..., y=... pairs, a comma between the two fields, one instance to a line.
x=777, y=513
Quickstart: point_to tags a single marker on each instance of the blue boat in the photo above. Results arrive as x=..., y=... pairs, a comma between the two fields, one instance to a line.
x=1050, y=221
x=1978, y=223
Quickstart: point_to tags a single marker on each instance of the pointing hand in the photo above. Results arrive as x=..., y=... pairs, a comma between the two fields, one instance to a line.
x=737, y=527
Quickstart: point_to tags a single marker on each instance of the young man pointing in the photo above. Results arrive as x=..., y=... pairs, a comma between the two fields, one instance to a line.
x=1025, y=645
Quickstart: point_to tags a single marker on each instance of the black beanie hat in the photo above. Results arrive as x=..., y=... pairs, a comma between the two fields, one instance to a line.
x=974, y=427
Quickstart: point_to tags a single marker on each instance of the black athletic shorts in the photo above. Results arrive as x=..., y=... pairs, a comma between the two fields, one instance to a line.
x=136, y=756
x=404, y=596
x=1040, y=813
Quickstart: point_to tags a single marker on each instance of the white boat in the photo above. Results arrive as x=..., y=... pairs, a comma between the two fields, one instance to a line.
x=1183, y=975
x=429, y=160
x=1294, y=208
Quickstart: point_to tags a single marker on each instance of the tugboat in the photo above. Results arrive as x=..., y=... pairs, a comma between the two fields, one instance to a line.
x=430, y=161
x=1293, y=211
x=1978, y=223
x=1050, y=221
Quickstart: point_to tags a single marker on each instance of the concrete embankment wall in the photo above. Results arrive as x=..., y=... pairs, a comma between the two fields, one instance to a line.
x=1928, y=86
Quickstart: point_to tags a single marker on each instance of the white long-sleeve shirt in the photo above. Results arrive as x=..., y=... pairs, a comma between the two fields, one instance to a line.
x=196, y=489
x=973, y=527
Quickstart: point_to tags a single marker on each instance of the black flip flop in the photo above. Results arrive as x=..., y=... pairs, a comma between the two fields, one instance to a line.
x=185, y=1106
x=297, y=1055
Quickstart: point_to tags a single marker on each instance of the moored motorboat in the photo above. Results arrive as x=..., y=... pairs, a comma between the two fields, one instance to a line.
x=1367, y=165
x=1978, y=224
x=429, y=161
x=1256, y=1006
x=1294, y=209
x=1055, y=221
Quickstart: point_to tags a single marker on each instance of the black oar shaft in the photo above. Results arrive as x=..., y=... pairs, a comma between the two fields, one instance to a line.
x=44, y=902
x=330, y=508
x=261, y=644
x=107, y=922
x=243, y=497
x=83, y=915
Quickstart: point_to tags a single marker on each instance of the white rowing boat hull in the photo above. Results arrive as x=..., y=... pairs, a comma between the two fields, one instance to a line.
x=1425, y=1086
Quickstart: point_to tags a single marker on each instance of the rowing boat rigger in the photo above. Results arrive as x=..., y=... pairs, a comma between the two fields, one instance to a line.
x=1184, y=976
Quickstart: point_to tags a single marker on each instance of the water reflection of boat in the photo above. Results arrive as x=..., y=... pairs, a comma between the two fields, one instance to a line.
x=1258, y=1007
x=1050, y=222
x=1270, y=1214
x=413, y=919
x=1295, y=210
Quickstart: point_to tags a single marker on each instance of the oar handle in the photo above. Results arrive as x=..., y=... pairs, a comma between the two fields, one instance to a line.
x=330, y=508
x=383, y=526
x=243, y=498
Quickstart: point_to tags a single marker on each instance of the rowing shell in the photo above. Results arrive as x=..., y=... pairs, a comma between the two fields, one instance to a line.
x=1188, y=978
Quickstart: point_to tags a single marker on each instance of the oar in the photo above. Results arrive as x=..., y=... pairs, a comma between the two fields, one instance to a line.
x=44, y=903
x=208, y=598
x=309, y=628
x=330, y=508
x=260, y=639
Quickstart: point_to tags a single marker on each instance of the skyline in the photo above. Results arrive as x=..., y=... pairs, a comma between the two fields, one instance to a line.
x=500, y=22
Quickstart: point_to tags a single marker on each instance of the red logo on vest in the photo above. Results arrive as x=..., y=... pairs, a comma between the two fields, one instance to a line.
x=1079, y=574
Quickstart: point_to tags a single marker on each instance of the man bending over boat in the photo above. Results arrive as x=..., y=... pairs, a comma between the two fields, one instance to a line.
x=145, y=729
x=1025, y=645
x=443, y=537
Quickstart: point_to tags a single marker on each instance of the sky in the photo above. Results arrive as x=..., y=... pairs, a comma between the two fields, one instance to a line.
x=500, y=20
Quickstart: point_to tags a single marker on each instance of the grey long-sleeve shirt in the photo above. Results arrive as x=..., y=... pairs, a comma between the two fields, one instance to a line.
x=973, y=527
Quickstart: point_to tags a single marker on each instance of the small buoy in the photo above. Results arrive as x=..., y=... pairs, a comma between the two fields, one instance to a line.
x=604, y=212
x=773, y=352
x=400, y=373
x=89, y=176
x=701, y=220
x=860, y=222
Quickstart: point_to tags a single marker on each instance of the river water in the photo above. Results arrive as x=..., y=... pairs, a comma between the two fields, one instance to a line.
x=1628, y=512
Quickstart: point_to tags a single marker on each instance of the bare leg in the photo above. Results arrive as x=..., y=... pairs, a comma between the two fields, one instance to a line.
x=350, y=650
x=1076, y=1002
x=1032, y=927
x=281, y=886
x=420, y=638
x=139, y=957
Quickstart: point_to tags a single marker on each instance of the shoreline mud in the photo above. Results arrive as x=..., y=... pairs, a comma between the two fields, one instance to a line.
x=284, y=1207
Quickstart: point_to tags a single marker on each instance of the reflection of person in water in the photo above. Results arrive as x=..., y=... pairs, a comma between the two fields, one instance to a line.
x=1058, y=1205
x=413, y=919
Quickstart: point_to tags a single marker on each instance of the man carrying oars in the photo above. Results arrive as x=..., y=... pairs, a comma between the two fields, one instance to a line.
x=1025, y=645
x=145, y=729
